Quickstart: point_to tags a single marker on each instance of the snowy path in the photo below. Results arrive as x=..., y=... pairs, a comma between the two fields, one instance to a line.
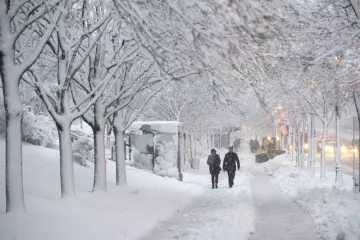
x=254, y=209
x=218, y=214
x=277, y=217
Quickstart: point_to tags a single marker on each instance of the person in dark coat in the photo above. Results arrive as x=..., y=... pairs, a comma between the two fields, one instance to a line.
x=231, y=161
x=214, y=163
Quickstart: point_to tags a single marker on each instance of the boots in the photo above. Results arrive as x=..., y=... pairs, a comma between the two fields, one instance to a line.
x=213, y=185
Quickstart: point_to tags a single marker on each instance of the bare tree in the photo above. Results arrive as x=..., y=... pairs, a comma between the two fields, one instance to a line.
x=16, y=19
x=70, y=50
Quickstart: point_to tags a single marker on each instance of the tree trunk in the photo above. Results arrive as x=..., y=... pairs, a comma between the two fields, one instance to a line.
x=207, y=141
x=313, y=146
x=302, y=149
x=14, y=176
x=338, y=174
x=309, y=143
x=323, y=156
x=190, y=147
x=298, y=147
x=357, y=105
x=121, y=178
x=99, y=156
x=179, y=162
x=293, y=143
x=213, y=140
x=66, y=162
x=186, y=158
x=13, y=112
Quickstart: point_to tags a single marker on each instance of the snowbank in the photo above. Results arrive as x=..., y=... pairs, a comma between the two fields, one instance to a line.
x=334, y=210
x=121, y=213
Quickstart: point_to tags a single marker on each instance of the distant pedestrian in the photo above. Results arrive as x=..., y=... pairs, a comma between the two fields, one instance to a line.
x=214, y=163
x=231, y=161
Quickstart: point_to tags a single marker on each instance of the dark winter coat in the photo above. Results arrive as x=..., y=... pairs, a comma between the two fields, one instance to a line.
x=214, y=163
x=231, y=160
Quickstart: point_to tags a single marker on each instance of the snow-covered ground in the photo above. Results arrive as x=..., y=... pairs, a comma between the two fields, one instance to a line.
x=334, y=210
x=152, y=207
x=121, y=213
x=142, y=210
x=221, y=213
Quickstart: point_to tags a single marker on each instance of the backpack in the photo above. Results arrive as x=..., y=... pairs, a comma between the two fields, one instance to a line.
x=211, y=159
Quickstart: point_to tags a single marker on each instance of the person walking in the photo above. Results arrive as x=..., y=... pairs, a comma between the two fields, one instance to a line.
x=231, y=161
x=214, y=163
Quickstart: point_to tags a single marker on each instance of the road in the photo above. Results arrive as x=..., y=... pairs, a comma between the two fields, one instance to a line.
x=346, y=162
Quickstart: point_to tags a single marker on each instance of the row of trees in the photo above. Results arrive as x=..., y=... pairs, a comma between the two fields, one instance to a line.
x=103, y=61
x=316, y=66
x=205, y=63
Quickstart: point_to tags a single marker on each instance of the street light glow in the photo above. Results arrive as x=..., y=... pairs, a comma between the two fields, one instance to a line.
x=306, y=146
x=337, y=59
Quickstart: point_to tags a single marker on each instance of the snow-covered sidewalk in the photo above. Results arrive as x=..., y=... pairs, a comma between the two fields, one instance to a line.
x=277, y=217
x=254, y=209
x=335, y=210
x=217, y=214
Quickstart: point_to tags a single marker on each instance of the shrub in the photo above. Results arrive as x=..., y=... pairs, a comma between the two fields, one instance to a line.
x=38, y=129
x=82, y=148
x=79, y=159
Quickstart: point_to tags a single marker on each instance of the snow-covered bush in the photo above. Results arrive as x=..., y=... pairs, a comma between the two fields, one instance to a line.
x=38, y=129
x=143, y=161
x=166, y=159
x=79, y=159
x=82, y=149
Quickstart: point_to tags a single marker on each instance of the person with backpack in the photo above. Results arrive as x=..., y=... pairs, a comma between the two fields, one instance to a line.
x=214, y=163
x=231, y=161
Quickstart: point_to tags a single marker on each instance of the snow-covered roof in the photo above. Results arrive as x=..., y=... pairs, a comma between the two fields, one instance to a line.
x=158, y=126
